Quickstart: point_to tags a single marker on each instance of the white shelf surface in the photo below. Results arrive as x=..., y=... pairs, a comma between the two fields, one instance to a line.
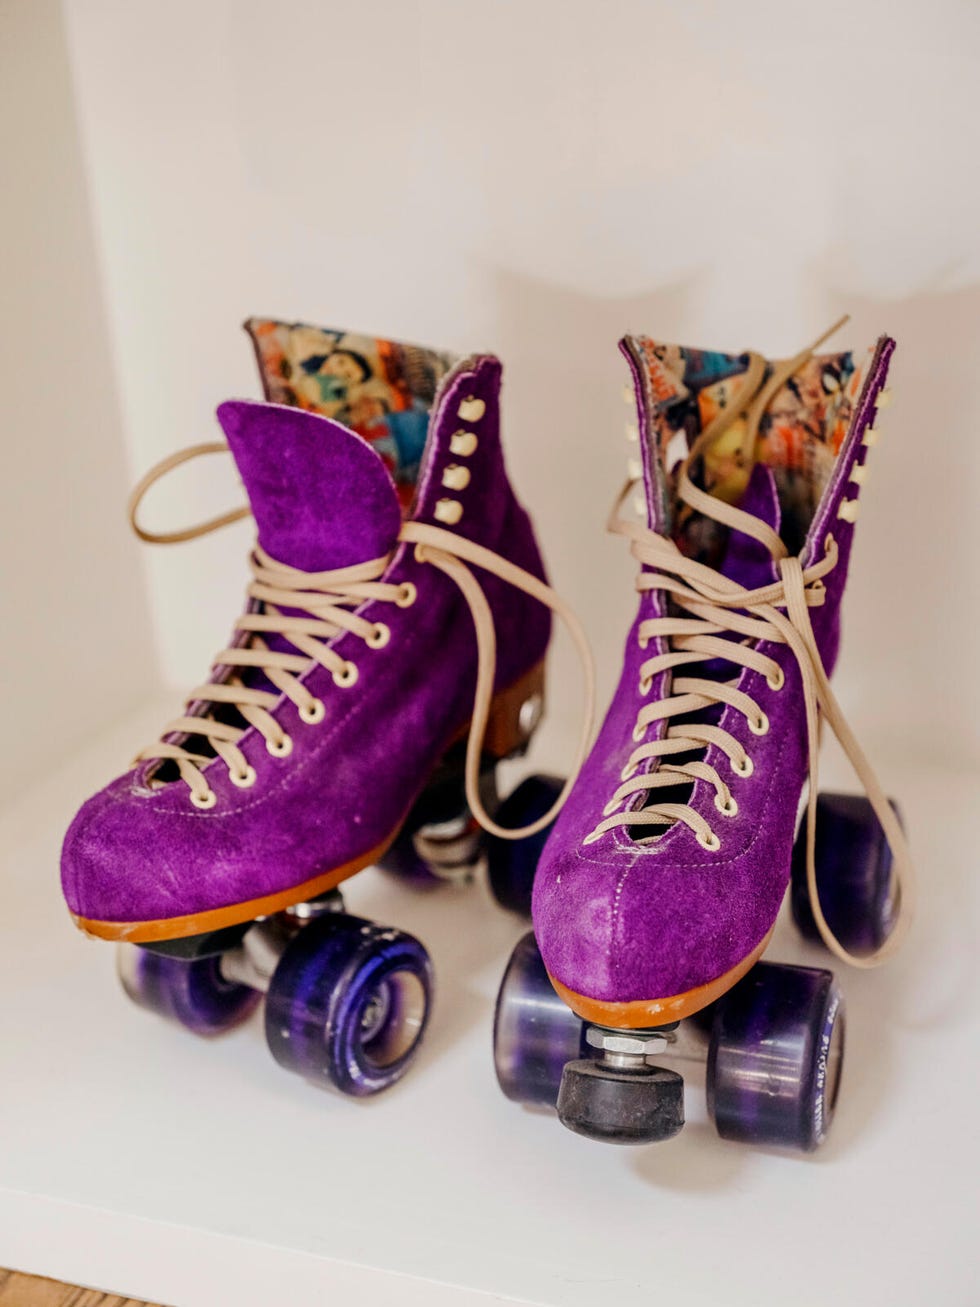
x=139, y=1159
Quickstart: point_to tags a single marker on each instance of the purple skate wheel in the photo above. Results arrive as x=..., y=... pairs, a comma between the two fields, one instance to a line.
x=775, y=1057
x=534, y=1033
x=348, y=1004
x=858, y=893
x=195, y=994
x=511, y=864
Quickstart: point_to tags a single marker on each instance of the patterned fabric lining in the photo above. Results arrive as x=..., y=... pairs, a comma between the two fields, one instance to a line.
x=381, y=389
x=800, y=433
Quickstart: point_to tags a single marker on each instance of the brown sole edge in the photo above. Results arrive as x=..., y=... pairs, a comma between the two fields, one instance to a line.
x=200, y=923
x=640, y=1014
x=502, y=737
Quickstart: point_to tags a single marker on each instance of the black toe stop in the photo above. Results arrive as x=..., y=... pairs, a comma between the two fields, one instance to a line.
x=636, y=1105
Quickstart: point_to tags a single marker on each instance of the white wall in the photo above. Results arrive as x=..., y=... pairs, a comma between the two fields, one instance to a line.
x=76, y=645
x=538, y=177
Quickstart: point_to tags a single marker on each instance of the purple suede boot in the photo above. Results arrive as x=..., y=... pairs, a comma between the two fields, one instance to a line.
x=660, y=884
x=397, y=621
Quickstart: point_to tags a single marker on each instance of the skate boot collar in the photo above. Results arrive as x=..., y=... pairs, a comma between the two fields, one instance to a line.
x=789, y=417
x=382, y=389
x=321, y=496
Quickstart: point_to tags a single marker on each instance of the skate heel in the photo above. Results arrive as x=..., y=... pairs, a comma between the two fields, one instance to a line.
x=515, y=714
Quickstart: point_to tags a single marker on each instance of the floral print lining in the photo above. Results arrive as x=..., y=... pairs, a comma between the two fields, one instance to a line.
x=381, y=389
x=800, y=433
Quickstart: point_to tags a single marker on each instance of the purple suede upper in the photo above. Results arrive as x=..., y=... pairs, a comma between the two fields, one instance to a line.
x=323, y=499
x=622, y=921
x=320, y=495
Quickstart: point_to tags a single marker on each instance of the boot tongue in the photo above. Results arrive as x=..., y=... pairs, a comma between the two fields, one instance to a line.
x=746, y=560
x=321, y=497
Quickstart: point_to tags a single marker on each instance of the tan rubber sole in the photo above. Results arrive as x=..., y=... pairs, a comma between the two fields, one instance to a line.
x=199, y=923
x=639, y=1014
x=503, y=737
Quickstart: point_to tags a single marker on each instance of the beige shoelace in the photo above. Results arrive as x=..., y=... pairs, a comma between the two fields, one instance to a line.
x=328, y=602
x=712, y=605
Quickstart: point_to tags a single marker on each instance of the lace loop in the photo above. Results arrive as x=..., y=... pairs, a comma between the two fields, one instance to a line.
x=169, y=464
x=451, y=554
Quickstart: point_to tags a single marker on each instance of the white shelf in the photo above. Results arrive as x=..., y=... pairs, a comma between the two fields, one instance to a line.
x=139, y=1159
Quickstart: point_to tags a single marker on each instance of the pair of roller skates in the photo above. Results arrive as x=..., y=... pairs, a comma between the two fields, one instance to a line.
x=391, y=654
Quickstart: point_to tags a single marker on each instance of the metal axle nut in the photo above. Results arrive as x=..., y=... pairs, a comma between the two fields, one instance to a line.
x=631, y=1043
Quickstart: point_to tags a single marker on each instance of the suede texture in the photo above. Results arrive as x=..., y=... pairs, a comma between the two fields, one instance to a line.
x=320, y=495
x=620, y=921
x=322, y=498
x=747, y=561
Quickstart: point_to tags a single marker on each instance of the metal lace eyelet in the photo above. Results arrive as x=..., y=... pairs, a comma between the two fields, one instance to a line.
x=312, y=712
x=379, y=637
x=711, y=842
x=760, y=726
x=471, y=409
x=745, y=767
x=463, y=443
x=646, y=685
x=280, y=748
x=448, y=510
x=244, y=779
x=346, y=677
x=407, y=594
x=628, y=772
x=727, y=807
x=204, y=801
x=777, y=680
x=455, y=476
x=639, y=731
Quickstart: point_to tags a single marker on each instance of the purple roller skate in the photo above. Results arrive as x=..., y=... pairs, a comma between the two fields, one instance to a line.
x=390, y=653
x=659, y=886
